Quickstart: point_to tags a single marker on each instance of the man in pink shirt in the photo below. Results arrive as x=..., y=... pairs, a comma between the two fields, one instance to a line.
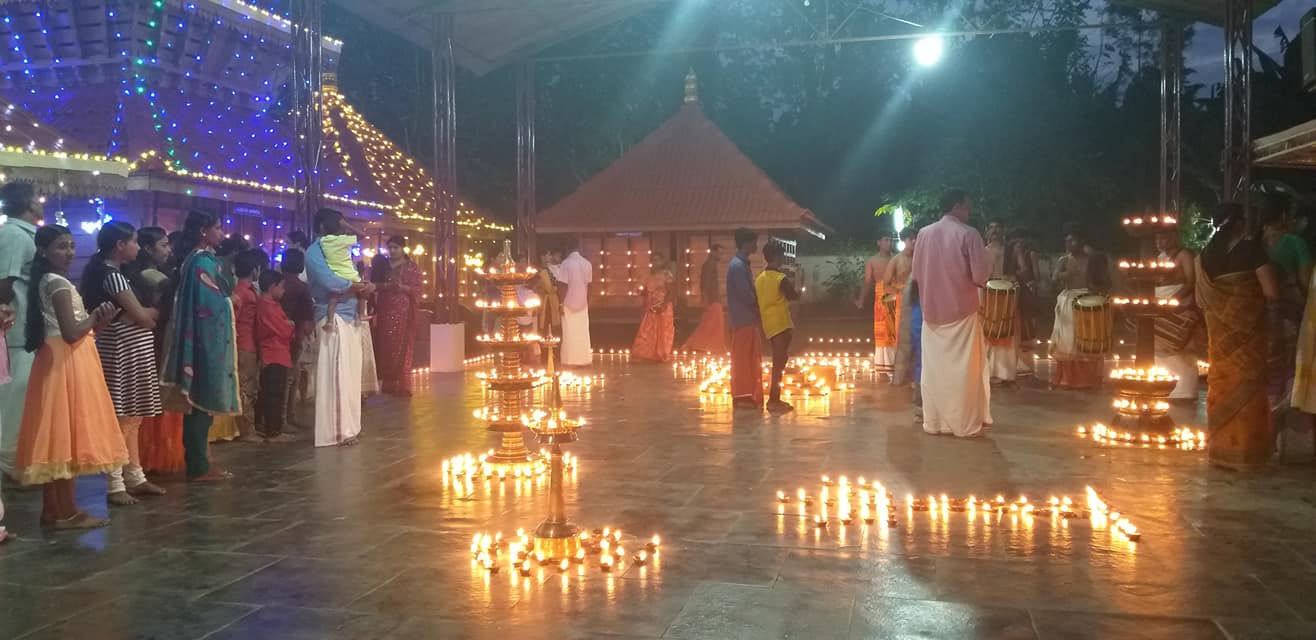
x=950, y=265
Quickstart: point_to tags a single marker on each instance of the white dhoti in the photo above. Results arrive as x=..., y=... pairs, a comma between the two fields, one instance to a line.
x=337, y=383
x=12, y=396
x=1063, y=335
x=369, y=372
x=1173, y=355
x=956, y=388
x=1185, y=367
x=576, y=349
x=1003, y=359
x=884, y=359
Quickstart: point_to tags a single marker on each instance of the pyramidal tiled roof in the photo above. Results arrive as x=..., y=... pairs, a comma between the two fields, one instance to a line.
x=685, y=176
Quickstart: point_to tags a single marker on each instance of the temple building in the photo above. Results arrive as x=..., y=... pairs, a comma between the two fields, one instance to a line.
x=142, y=109
x=682, y=189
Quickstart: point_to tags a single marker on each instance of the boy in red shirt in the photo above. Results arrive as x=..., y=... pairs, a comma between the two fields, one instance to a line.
x=247, y=266
x=274, y=332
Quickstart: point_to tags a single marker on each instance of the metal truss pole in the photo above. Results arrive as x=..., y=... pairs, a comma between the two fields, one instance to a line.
x=1237, y=159
x=1171, y=117
x=445, y=169
x=308, y=100
x=526, y=202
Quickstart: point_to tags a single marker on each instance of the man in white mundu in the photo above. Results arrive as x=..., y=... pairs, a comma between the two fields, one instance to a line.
x=576, y=273
x=951, y=265
x=338, y=337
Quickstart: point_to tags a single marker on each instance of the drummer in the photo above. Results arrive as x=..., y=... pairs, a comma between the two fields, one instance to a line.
x=1072, y=369
x=1021, y=264
x=900, y=266
x=1175, y=332
x=995, y=239
x=884, y=322
x=1002, y=353
x=894, y=280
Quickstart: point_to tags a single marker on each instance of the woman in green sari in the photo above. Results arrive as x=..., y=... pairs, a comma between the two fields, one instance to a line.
x=1235, y=285
x=200, y=364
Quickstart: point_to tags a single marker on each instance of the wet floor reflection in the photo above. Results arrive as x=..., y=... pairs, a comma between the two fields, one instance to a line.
x=373, y=540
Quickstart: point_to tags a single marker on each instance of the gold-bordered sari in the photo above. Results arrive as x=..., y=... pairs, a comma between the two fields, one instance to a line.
x=1237, y=408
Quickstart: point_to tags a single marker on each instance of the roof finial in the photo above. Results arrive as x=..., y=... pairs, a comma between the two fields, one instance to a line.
x=691, y=87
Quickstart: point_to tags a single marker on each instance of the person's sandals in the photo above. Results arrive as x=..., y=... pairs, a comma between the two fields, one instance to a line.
x=281, y=438
x=212, y=476
x=146, y=489
x=78, y=521
x=120, y=499
x=779, y=407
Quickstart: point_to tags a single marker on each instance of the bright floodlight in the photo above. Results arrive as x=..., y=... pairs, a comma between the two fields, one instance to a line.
x=927, y=50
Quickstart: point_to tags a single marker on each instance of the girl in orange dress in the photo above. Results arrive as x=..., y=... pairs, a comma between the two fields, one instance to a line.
x=658, y=326
x=69, y=427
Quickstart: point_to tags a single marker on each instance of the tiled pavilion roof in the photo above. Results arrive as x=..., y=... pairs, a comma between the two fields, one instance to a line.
x=685, y=176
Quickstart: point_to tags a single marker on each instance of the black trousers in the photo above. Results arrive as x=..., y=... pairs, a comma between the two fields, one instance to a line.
x=270, y=406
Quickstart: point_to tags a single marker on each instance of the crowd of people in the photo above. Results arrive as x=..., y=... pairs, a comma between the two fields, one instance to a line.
x=1247, y=299
x=170, y=340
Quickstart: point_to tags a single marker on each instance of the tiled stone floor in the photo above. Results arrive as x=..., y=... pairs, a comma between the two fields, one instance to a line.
x=369, y=542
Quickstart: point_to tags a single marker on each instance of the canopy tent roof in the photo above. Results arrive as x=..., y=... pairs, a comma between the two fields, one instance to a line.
x=1209, y=11
x=488, y=34
x=1293, y=148
x=685, y=176
x=198, y=113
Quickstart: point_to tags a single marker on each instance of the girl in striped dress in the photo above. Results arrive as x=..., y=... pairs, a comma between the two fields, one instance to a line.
x=127, y=352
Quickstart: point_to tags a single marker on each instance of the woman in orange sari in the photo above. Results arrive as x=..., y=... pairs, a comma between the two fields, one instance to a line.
x=658, y=327
x=160, y=438
x=1235, y=285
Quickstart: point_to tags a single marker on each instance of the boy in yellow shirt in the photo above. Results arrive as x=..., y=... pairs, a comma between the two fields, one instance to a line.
x=776, y=291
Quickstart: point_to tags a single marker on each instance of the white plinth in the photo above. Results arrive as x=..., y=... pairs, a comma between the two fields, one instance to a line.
x=447, y=348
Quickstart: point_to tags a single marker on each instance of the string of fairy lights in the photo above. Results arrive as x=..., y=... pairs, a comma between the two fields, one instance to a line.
x=213, y=121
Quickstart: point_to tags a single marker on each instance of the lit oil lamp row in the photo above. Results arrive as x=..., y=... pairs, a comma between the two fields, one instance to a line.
x=496, y=376
x=1154, y=374
x=1181, y=438
x=508, y=271
x=527, y=338
x=840, y=341
x=541, y=421
x=495, y=305
x=802, y=382
x=1144, y=221
x=1145, y=302
x=1154, y=265
x=569, y=381
x=523, y=557
x=874, y=499
x=873, y=502
x=845, y=356
x=469, y=466
x=1128, y=406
